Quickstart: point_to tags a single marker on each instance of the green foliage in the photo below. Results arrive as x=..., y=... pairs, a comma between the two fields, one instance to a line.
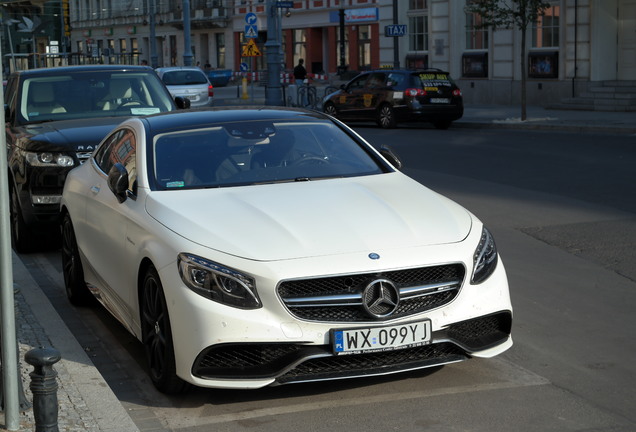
x=507, y=13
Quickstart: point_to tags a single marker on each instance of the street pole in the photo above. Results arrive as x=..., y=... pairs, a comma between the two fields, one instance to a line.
x=187, y=49
x=273, y=91
x=154, y=60
x=396, y=41
x=7, y=303
x=342, y=67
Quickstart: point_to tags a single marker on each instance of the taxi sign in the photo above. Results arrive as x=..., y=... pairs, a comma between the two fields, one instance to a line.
x=251, y=50
x=395, y=30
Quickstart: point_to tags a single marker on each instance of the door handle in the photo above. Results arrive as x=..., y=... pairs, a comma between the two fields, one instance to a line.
x=95, y=189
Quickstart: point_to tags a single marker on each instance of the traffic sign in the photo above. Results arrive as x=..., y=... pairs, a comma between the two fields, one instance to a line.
x=251, y=31
x=395, y=30
x=251, y=50
x=244, y=67
x=285, y=4
x=251, y=18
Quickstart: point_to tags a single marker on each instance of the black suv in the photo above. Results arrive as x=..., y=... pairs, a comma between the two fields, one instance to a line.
x=55, y=117
x=391, y=96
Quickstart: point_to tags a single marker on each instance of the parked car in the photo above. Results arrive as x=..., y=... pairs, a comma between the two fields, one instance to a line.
x=55, y=117
x=392, y=96
x=255, y=246
x=189, y=82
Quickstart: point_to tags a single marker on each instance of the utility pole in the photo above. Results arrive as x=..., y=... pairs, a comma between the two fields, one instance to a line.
x=273, y=91
x=154, y=60
x=396, y=41
x=9, y=345
x=187, y=49
x=342, y=68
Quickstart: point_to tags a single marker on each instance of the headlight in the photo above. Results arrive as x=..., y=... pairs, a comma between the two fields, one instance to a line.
x=218, y=283
x=485, y=258
x=49, y=159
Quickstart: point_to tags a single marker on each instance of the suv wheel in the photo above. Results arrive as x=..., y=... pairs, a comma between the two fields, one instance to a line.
x=22, y=237
x=386, y=117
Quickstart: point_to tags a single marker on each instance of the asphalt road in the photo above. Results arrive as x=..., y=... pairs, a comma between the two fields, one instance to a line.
x=562, y=208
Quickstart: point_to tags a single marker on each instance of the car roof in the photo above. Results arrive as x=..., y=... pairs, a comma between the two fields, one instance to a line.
x=202, y=117
x=409, y=71
x=178, y=68
x=81, y=68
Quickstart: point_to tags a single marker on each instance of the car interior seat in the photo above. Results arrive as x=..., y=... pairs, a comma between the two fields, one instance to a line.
x=42, y=100
x=120, y=93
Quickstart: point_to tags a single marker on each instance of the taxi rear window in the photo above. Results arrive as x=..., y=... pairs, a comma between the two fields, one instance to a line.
x=433, y=79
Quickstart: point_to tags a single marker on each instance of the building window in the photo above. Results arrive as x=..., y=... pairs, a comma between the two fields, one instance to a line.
x=545, y=32
x=418, y=33
x=476, y=36
x=220, y=50
x=299, y=45
x=417, y=4
x=122, y=45
x=364, y=47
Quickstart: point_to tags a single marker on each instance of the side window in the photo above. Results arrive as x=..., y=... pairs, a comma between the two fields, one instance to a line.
x=376, y=80
x=121, y=147
x=358, y=83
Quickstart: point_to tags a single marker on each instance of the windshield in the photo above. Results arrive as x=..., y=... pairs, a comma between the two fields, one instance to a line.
x=92, y=94
x=254, y=152
x=184, y=77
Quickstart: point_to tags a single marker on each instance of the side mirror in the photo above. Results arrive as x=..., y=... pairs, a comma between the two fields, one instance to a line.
x=389, y=155
x=118, y=181
x=182, y=103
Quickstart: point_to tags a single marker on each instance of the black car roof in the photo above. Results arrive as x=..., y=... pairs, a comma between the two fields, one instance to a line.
x=81, y=68
x=409, y=71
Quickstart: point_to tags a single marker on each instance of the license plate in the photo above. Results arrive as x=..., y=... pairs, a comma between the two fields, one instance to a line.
x=440, y=100
x=192, y=98
x=388, y=338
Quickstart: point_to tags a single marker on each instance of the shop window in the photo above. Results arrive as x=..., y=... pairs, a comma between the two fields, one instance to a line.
x=417, y=62
x=220, y=50
x=543, y=64
x=475, y=65
x=299, y=44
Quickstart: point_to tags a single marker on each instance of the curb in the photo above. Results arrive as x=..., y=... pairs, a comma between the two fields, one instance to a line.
x=94, y=394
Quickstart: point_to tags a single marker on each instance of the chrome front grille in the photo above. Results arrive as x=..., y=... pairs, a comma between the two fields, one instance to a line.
x=341, y=298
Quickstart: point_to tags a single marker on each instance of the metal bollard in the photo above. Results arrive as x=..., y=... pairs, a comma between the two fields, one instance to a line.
x=44, y=387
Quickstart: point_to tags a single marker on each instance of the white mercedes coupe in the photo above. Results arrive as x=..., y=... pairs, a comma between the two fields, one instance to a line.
x=260, y=246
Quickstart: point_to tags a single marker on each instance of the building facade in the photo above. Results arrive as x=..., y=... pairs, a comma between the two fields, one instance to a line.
x=575, y=44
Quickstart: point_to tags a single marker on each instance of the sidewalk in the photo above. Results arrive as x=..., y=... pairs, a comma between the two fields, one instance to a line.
x=86, y=402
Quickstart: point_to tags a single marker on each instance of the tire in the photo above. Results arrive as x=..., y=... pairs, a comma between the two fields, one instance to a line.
x=76, y=290
x=330, y=109
x=22, y=238
x=442, y=124
x=157, y=336
x=386, y=117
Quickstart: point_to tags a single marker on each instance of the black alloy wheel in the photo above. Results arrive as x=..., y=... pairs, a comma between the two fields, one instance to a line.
x=76, y=290
x=386, y=117
x=330, y=109
x=157, y=336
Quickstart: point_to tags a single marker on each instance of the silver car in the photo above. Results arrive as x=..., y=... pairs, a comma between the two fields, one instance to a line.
x=188, y=82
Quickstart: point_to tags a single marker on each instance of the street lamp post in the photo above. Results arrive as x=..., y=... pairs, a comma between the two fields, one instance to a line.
x=154, y=61
x=273, y=91
x=187, y=51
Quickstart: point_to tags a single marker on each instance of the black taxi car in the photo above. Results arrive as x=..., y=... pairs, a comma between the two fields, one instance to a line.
x=391, y=96
x=54, y=119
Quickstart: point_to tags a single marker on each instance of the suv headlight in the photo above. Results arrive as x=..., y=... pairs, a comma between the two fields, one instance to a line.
x=218, y=283
x=49, y=159
x=485, y=258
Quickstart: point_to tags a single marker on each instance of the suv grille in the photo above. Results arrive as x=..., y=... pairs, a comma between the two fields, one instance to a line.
x=340, y=298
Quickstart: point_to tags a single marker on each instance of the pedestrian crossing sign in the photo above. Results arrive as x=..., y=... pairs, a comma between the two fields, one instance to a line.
x=251, y=31
x=251, y=50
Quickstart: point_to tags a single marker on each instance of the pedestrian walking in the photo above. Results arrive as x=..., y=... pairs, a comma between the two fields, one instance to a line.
x=300, y=73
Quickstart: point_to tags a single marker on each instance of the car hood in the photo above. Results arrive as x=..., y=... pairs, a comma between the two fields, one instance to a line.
x=308, y=219
x=76, y=135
